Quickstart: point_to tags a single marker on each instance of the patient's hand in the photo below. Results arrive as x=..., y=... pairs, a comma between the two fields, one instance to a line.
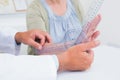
x=78, y=57
x=91, y=32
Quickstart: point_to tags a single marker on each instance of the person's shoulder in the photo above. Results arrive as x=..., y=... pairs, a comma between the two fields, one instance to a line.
x=76, y=4
x=36, y=6
x=79, y=8
x=75, y=1
x=35, y=3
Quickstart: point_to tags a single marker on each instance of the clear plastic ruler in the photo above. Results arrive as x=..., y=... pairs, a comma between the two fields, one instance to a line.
x=57, y=48
x=92, y=12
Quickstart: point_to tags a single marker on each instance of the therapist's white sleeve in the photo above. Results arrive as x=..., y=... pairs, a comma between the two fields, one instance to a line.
x=26, y=67
x=7, y=41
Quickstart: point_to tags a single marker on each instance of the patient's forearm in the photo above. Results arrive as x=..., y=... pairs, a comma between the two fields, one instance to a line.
x=26, y=67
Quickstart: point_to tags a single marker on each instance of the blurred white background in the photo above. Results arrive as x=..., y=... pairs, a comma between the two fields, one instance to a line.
x=109, y=25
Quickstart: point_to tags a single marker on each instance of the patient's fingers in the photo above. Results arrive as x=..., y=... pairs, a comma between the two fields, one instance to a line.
x=88, y=45
x=95, y=35
x=93, y=25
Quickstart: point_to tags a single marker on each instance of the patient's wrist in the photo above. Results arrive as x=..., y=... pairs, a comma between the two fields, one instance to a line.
x=63, y=61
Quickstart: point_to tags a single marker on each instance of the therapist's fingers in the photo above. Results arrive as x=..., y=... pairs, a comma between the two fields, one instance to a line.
x=34, y=44
x=48, y=38
x=34, y=38
x=42, y=37
x=39, y=38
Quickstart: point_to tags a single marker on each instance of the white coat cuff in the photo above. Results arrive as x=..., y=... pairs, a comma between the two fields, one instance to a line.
x=8, y=43
x=26, y=67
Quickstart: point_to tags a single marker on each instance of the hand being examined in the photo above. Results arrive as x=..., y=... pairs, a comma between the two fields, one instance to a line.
x=78, y=57
x=91, y=32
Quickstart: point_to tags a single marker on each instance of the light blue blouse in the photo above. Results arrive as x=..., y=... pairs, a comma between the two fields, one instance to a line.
x=66, y=27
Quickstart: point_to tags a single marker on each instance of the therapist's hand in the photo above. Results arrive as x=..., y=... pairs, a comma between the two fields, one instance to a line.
x=34, y=38
x=78, y=57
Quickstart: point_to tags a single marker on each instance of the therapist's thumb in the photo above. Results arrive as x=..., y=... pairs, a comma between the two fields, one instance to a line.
x=35, y=44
